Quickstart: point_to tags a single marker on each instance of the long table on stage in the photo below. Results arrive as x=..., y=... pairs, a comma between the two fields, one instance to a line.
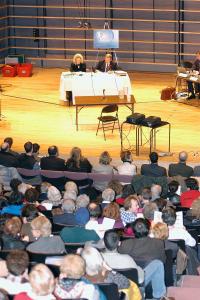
x=83, y=101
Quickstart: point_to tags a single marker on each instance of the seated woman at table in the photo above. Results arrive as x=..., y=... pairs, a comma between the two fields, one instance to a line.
x=78, y=64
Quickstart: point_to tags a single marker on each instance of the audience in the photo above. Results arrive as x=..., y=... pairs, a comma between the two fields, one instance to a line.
x=11, y=234
x=108, y=195
x=172, y=195
x=6, y=158
x=44, y=242
x=127, y=167
x=191, y=194
x=181, y=168
x=192, y=217
x=9, y=141
x=153, y=169
x=129, y=212
x=27, y=160
x=156, y=191
x=67, y=216
x=77, y=162
x=29, y=212
x=52, y=162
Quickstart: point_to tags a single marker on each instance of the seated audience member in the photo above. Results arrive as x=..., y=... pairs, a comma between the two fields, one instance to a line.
x=70, y=195
x=78, y=64
x=71, y=186
x=72, y=283
x=161, y=203
x=180, y=168
x=82, y=201
x=77, y=162
x=31, y=196
x=52, y=162
x=67, y=216
x=161, y=231
x=79, y=234
x=23, y=187
x=17, y=262
x=148, y=211
x=127, y=191
x=108, y=195
x=142, y=248
x=172, y=195
x=192, y=217
x=98, y=272
x=11, y=234
x=53, y=196
x=191, y=194
x=156, y=191
x=114, y=259
x=112, y=211
x=153, y=169
x=44, y=242
x=43, y=191
x=95, y=212
x=29, y=212
x=176, y=232
x=42, y=284
x=103, y=167
x=129, y=212
x=107, y=64
x=9, y=141
x=6, y=158
x=14, y=205
x=145, y=196
x=36, y=149
x=117, y=187
x=27, y=160
x=127, y=167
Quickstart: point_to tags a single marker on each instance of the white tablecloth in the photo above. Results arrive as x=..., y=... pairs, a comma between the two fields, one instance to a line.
x=94, y=84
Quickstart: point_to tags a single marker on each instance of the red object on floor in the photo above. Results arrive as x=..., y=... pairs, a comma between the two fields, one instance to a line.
x=9, y=71
x=24, y=70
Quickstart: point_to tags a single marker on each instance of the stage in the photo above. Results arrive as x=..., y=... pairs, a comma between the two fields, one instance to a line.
x=32, y=111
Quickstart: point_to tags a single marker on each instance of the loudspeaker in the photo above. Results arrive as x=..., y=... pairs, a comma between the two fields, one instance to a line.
x=152, y=121
x=135, y=118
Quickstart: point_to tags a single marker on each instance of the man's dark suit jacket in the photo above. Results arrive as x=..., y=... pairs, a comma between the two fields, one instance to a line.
x=153, y=170
x=78, y=68
x=52, y=163
x=102, y=65
x=66, y=218
x=180, y=169
x=8, y=160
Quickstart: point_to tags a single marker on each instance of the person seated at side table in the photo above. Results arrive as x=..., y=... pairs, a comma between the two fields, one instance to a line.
x=107, y=64
x=78, y=64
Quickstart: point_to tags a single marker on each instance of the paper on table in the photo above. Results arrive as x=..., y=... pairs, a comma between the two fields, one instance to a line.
x=179, y=219
x=108, y=223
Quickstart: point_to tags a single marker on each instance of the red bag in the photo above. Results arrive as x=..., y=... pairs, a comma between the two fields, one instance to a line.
x=168, y=93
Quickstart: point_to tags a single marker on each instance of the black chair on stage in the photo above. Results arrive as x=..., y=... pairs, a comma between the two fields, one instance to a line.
x=108, y=119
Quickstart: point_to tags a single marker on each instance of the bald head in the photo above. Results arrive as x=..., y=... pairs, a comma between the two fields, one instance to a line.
x=183, y=156
x=4, y=147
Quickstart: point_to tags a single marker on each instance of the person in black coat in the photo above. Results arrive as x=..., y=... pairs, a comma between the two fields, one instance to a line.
x=78, y=64
x=107, y=64
x=52, y=162
x=153, y=169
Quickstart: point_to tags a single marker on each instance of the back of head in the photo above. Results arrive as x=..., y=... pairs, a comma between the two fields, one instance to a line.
x=76, y=156
x=30, y=212
x=72, y=266
x=140, y=227
x=36, y=148
x=70, y=194
x=161, y=203
x=53, y=151
x=116, y=186
x=126, y=156
x=42, y=224
x=127, y=190
x=4, y=147
x=153, y=156
x=71, y=186
x=54, y=195
x=93, y=260
x=173, y=186
x=94, y=210
x=68, y=206
x=108, y=195
x=149, y=210
x=192, y=184
x=82, y=201
x=28, y=147
x=160, y=231
x=13, y=226
x=105, y=158
x=169, y=216
x=111, y=211
x=17, y=262
x=9, y=140
x=146, y=193
x=183, y=156
x=111, y=239
x=14, y=183
x=31, y=195
x=41, y=280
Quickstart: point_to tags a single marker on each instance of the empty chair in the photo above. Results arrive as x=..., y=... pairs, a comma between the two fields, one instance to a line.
x=108, y=119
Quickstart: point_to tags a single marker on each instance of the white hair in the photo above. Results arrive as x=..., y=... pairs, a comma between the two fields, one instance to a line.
x=70, y=195
x=108, y=195
x=93, y=259
x=82, y=201
x=71, y=186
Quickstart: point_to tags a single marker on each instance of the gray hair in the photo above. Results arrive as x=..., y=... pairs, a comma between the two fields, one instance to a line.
x=156, y=191
x=68, y=205
x=70, y=195
x=93, y=259
x=82, y=201
x=108, y=195
x=183, y=156
x=71, y=186
x=149, y=210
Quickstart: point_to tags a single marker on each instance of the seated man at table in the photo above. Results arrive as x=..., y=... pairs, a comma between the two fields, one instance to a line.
x=107, y=64
x=194, y=87
x=78, y=64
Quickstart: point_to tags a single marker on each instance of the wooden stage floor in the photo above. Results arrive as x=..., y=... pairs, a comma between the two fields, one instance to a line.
x=32, y=110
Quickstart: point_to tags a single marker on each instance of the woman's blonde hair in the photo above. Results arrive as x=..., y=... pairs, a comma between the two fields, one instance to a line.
x=42, y=224
x=160, y=231
x=72, y=266
x=76, y=156
x=195, y=208
x=41, y=280
x=105, y=158
x=76, y=56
